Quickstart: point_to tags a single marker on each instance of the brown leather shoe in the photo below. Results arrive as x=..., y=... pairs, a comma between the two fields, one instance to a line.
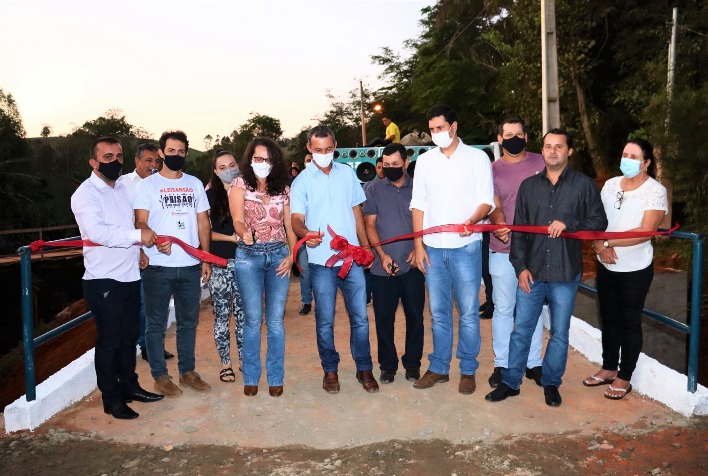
x=468, y=384
x=194, y=381
x=250, y=390
x=429, y=379
x=165, y=386
x=275, y=391
x=330, y=382
x=367, y=380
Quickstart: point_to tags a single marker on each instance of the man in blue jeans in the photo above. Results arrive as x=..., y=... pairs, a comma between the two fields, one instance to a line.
x=452, y=185
x=173, y=203
x=549, y=266
x=329, y=193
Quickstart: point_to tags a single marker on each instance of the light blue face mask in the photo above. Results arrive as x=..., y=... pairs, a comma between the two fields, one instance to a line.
x=630, y=167
x=228, y=175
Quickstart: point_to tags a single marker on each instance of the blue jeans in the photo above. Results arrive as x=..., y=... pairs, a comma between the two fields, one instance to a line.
x=455, y=273
x=305, y=280
x=504, y=284
x=561, y=300
x=255, y=268
x=161, y=283
x=324, y=284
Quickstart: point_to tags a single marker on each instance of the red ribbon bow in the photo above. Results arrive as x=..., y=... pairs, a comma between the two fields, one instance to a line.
x=348, y=253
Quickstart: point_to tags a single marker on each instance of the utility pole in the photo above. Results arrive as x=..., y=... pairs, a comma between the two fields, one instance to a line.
x=363, y=116
x=549, y=64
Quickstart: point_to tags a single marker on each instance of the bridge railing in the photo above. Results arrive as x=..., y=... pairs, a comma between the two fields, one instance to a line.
x=693, y=329
x=30, y=342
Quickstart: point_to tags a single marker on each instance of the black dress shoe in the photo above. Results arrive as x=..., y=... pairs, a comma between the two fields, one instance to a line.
x=387, y=376
x=535, y=374
x=169, y=355
x=553, y=396
x=412, y=374
x=502, y=392
x=305, y=309
x=120, y=410
x=496, y=377
x=142, y=395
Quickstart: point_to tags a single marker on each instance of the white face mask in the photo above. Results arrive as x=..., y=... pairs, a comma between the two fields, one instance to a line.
x=323, y=160
x=261, y=169
x=443, y=139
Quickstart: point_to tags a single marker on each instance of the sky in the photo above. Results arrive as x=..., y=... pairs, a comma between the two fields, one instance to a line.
x=200, y=66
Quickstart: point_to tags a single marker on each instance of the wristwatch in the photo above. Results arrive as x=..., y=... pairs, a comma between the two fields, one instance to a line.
x=606, y=244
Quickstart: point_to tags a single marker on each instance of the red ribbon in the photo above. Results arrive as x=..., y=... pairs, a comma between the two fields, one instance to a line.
x=201, y=255
x=363, y=257
x=348, y=253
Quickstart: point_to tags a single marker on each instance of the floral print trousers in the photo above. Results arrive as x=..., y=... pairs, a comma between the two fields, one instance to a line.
x=225, y=298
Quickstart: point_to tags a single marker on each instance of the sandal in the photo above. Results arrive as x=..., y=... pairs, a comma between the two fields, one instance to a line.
x=623, y=391
x=595, y=381
x=227, y=375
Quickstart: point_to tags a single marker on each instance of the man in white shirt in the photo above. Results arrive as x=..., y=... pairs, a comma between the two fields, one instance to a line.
x=173, y=203
x=147, y=162
x=452, y=185
x=111, y=282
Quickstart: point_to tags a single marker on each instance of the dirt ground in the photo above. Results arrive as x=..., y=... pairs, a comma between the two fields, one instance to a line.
x=650, y=447
x=398, y=431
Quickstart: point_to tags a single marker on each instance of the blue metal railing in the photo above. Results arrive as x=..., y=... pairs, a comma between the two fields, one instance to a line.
x=30, y=342
x=693, y=329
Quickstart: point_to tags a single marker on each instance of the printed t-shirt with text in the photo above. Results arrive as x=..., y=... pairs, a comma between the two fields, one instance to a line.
x=173, y=205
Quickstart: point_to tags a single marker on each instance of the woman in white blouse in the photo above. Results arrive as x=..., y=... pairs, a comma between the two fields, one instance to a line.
x=634, y=201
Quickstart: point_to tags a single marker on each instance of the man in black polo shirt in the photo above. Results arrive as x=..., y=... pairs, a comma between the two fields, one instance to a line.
x=386, y=215
x=549, y=266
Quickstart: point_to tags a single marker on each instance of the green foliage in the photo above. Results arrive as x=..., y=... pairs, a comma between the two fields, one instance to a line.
x=22, y=190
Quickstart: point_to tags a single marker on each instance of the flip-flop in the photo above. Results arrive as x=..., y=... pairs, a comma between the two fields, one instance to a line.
x=597, y=381
x=226, y=374
x=624, y=392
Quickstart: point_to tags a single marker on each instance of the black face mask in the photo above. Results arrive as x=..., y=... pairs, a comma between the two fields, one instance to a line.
x=174, y=162
x=514, y=145
x=111, y=170
x=393, y=173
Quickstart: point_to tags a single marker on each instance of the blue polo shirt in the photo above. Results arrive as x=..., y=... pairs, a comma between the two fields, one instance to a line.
x=327, y=199
x=391, y=205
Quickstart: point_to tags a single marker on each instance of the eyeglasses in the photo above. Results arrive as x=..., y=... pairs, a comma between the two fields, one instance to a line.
x=260, y=160
x=620, y=197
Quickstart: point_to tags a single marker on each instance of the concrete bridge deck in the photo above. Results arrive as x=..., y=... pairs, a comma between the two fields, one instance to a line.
x=306, y=415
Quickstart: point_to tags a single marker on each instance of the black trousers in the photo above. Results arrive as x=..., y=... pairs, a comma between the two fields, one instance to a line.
x=116, y=308
x=409, y=288
x=621, y=297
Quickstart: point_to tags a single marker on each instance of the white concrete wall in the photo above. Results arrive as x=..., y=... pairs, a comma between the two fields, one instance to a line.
x=650, y=378
x=61, y=390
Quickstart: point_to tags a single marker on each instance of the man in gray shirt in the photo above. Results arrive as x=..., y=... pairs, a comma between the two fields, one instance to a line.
x=393, y=276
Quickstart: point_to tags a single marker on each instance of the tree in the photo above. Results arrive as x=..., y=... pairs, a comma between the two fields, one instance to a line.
x=46, y=131
x=21, y=191
x=112, y=123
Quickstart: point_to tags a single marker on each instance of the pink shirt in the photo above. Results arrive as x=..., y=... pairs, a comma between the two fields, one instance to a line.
x=507, y=179
x=265, y=219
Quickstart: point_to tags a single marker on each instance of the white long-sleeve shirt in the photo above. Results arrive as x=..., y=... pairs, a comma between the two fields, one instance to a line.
x=105, y=216
x=448, y=191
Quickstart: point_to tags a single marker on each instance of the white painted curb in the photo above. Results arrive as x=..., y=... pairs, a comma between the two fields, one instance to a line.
x=650, y=378
x=61, y=390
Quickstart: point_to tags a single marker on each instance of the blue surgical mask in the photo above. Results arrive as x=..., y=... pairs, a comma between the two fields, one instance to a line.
x=630, y=167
